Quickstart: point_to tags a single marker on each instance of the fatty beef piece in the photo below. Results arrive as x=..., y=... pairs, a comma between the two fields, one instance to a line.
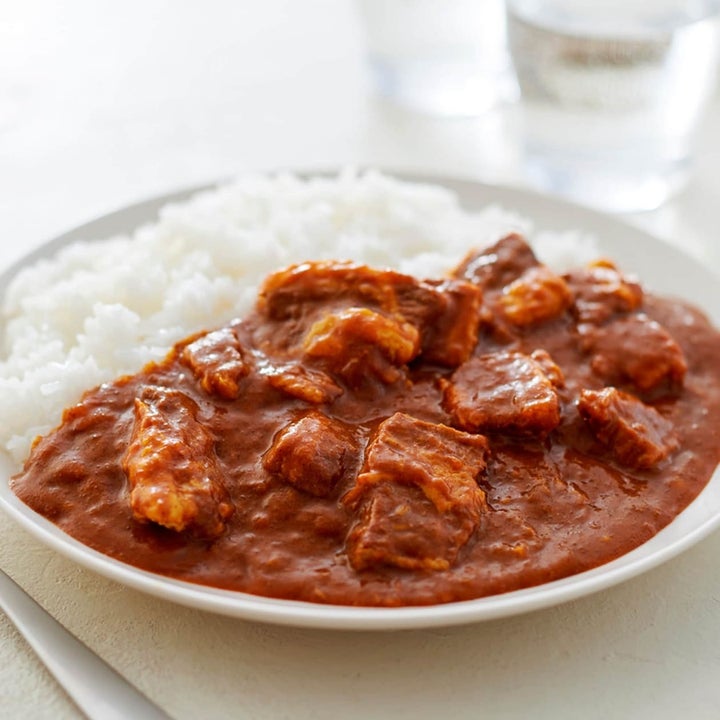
x=217, y=360
x=536, y=296
x=417, y=495
x=307, y=384
x=312, y=454
x=496, y=266
x=625, y=345
x=519, y=291
x=358, y=343
x=444, y=313
x=301, y=289
x=600, y=291
x=447, y=315
x=636, y=433
x=505, y=392
x=174, y=475
x=634, y=350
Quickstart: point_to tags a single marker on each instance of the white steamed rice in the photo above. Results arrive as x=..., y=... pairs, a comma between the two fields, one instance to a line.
x=103, y=308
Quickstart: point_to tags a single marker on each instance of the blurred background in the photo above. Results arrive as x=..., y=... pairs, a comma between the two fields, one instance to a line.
x=103, y=104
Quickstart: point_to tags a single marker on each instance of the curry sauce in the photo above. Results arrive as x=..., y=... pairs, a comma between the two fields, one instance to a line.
x=365, y=437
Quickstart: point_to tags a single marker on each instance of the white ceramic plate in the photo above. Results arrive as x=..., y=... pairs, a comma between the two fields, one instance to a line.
x=660, y=266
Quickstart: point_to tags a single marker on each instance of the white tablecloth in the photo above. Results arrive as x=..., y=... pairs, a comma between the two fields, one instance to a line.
x=103, y=104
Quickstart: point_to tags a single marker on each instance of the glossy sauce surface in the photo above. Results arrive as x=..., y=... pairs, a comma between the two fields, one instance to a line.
x=367, y=438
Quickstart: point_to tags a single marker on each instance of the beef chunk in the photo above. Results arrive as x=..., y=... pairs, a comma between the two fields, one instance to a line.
x=637, y=350
x=503, y=391
x=417, y=494
x=551, y=369
x=312, y=386
x=602, y=291
x=399, y=526
x=217, y=361
x=447, y=315
x=358, y=344
x=637, y=434
x=518, y=291
x=536, y=296
x=498, y=265
x=297, y=290
x=175, y=478
x=311, y=454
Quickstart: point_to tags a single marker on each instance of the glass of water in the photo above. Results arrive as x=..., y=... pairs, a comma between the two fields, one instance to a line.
x=612, y=92
x=441, y=57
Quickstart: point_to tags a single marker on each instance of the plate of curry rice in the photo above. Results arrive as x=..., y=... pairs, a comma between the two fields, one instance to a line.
x=358, y=400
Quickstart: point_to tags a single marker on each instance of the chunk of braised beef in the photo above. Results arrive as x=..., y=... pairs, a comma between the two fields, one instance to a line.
x=499, y=264
x=503, y=392
x=634, y=350
x=417, y=495
x=174, y=475
x=636, y=433
x=299, y=289
x=312, y=454
x=447, y=315
x=601, y=291
x=312, y=386
x=536, y=296
x=552, y=370
x=399, y=526
x=357, y=344
x=216, y=359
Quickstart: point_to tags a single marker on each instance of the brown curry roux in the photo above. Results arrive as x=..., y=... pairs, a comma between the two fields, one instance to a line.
x=367, y=438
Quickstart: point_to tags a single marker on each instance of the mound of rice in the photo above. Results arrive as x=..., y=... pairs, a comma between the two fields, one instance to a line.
x=103, y=308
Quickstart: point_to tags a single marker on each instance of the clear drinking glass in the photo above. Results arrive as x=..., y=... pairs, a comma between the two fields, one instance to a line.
x=443, y=57
x=612, y=92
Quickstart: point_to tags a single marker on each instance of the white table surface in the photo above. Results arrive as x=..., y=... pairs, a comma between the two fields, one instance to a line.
x=103, y=104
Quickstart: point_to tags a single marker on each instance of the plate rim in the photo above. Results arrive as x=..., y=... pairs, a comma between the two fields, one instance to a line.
x=296, y=613
x=317, y=615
